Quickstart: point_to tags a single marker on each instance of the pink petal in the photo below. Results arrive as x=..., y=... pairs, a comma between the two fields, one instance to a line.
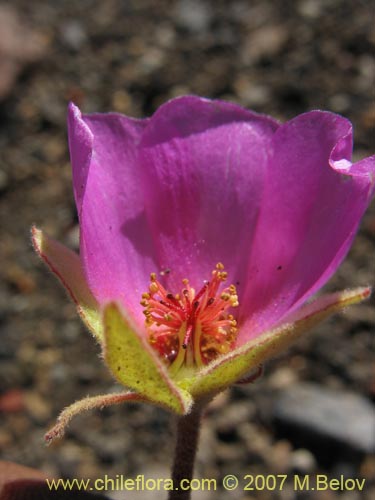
x=116, y=251
x=312, y=203
x=203, y=164
x=203, y=182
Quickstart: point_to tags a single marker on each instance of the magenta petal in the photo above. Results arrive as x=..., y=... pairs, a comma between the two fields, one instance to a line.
x=115, y=248
x=312, y=204
x=80, y=140
x=203, y=164
x=205, y=181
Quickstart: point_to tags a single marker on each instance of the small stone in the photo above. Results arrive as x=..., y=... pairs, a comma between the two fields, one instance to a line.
x=193, y=15
x=250, y=93
x=234, y=415
x=59, y=373
x=121, y=101
x=12, y=401
x=331, y=423
x=165, y=36
x=282, y=377
x=152, y=60
x=265, y=42
x=20, y=279
x=279, y=456
x=220, y=401
x=37, y=407
x=303, y=461
x=69, y=458
x=73, y=34
x=19, y=46
x=257, y=441
x=310, y=8
x=367, y=469
x=339, y=103
x=108, y=448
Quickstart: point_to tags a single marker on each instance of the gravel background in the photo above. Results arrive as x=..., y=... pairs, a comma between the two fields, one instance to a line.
x=277, y=57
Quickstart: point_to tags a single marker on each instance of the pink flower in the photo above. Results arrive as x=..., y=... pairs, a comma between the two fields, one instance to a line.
x=166, y=203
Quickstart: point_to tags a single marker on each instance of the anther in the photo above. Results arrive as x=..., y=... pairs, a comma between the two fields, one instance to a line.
x=186, y=322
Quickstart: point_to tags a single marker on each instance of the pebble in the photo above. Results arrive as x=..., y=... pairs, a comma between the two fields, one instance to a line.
x=234, y=415
x=328, y=421
x=193, y=15
x=19, y=46
x=59, y=373
x=278, y=458
x=303, y=461
x=250, y=93
x=339, y=103
x=38, y=408
x=69, y=458
x=310, y=9
x=12, y=401
x=265, y=42
x=73, y=34
x=282, y=378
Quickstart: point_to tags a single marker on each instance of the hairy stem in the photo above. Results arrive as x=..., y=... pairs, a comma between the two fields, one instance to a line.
x=185, y=451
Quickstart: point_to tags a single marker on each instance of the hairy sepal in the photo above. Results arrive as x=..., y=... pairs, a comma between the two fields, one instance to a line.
x=87, y=404
x=235, y=365
x=66, y=265
x=135, y=365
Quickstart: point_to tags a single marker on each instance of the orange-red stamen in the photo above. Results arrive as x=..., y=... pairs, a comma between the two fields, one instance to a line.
x=191, y=328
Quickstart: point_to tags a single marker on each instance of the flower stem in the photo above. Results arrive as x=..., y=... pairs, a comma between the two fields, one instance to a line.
x=185, y=451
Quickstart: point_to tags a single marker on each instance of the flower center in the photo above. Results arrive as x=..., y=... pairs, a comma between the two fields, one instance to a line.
x=191, y=328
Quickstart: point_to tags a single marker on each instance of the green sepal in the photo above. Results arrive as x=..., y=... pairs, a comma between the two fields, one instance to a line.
x=230, y=368
x=135, y=365
x=66, y=264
